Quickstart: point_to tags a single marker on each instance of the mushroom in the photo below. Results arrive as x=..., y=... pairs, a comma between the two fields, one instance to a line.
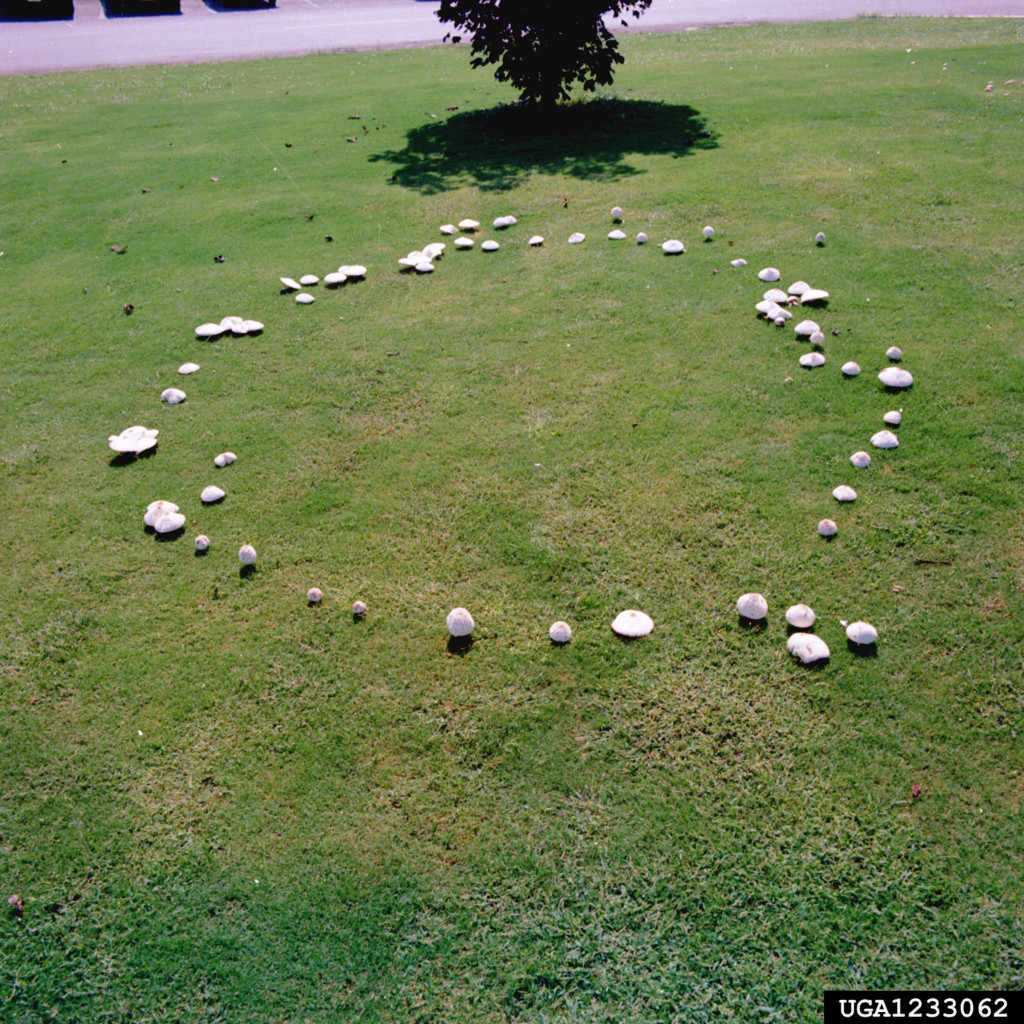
x=308, y=280
x=893, y=418
x=290, y=284
x=252, y=326
x=809, y=360
x=504, y=222
x=641, y=238
x=798, y=287
x=536, y=240
x=752, y=606
x=616, y=235
x=353, y=270
x=776, y=295
x=459, y=622
x=576, y=237
x=844, y=493
x=187, y=368
x=169, y=522
x=894, y=377
x=202, y=543
x=211, y=495
x=560, y=632
x=813, y=296
x=895, y=353
x=224, y=459
x=738, y=263
x=850, y=369
x=304, y=299
x=468, y=225
x=861, y=460
x=314, y=595
x=133, y=440
x=173, y=396
x=616, y=213
x=806, y=327
x=434, y=250
x=490, y=246
x=817, y=338
x=885, y=439
x=448, y=229
x=463, y=243
x=209, y=330
x=334, y=278
x=861, y=633
x=672, y=247
x=424, y=267
x=708, y=232
x=247, y=554
x=820, y=238
x=358, y=609
x=808, y=648
x=155, y=509
x=800, y=615
x=632, y=624
x=234, y=324
x=827, y=528
x=769, y=274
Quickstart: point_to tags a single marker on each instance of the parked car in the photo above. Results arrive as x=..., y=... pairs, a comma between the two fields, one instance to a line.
x=143, y=6
x=37, y=8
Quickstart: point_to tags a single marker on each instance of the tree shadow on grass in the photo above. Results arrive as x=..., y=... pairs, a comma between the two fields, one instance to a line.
x=497, y=149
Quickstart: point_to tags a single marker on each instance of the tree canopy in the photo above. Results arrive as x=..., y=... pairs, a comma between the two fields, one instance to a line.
x=543, y=47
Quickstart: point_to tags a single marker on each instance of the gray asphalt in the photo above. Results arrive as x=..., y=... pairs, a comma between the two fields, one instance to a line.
x=204, y=31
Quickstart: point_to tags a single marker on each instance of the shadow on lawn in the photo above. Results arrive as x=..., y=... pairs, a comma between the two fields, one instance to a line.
x=497, y=149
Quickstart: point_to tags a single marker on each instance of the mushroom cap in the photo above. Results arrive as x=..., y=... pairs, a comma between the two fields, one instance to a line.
x=155, y=509
x=576, y=237
x=806, y=327
x=708, y=232
x=424, y=267
x=459, y=622
x=850, y=369
x=490, y=245
x=209, y=330
x=314, y=595
x=290, y=283
x=817, y=338
x=173, y=396
x=827, y=528
x=210, y=495
x=808, y=648
x=537, y=240
x=800, y=615
x=844, y=493
x=632, y=623
x=352, y=270
x=412, y=259
x=820, y=238
x=798, y=287
x=809, y=360
x=861, y=460
x=224, y=459
x=448, y=229
x=464, y=243
x=776, y=295
x=769, y=274
x=894, y=377
x=885, y=439
x=309, y=279
x=893, y=418
x=560, y=632
x=434, y=250
x=335, y=277
x=672, y=246
x=616, y=213
x=641, y=238
x=358, y=609
x=304, y=299
x=252, y=326
x=168, y=522
x=738, y=263
x=861, y=633
x=133, y=439
x=616, y=235
x=894, y=352
x=504, y=222
x=752, y=606
x=812, y=296
x=202, y=542
x=468, y=225
x=187, y=368
x=247, y=554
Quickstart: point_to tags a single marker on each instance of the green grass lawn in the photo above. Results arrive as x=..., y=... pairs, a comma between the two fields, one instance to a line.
x=219, y=804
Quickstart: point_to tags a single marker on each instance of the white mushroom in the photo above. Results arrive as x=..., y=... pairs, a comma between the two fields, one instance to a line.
x=133, y=440
x=334, y=278
x=169, y=522
x=290, y=284
x=844, y=493
x=827, y=528
x=850, y=369
x=173, y=396
x=560, y=632
x=448, y=229
x=895, y=353
x=252, y=326
x=202, y=542
x=885, y=439
x=424, y=267
x=490, y=246
x=769, y=274
x=808, y=648
x=817, y=338
x=233, y=324
x=738, y=263
x=459, y=622
x=776, y=295
x=860, y=460
x=224, y=459
x=616, y=235
x=893, y=418
x=801, y=616
x=752, y=606
x=314, y=595
x=798, y=287
x=632, y=624
x=809, y=360
x=813, y=296
x=353, y=270
x=641, y=238
x=209, y=331
x=894, y=377
x=358, y=609
x=768, y=307
x=537, y=240
x=304, y=299
x=616, y=213
x=247, y=554
x=672, y=247
x=577, y=237
x=805, y=328
x=468, y=225
x=411, y=259
x=504, y=222
x=820, y=238
x=434, y=250
x=708, y=232
x=211, y=495
x=463, y=243
x=156, y=509
x=861, y=633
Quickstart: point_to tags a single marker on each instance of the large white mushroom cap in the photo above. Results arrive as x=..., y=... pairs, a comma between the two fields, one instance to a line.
x=813, y=296
x=894, y=417
x=776, y=295
x=168, y=522
x=800, y=615
x=252, y=326
x=752, y=606
x=434, y=250
x=504, y=222
x=463, y=243
x=817, y=338
x=850, y=369
x=808, y=648
x=616, y=213
x=234, y=324
x=895, y=353
x=798, y=287
x=885, y=439
x=224, y=459
x=448, y=229
x=820, y=238
x=247, y=554
x=468, y=225
x=135, y=440
x=334, y=278
x=490, y=245
x=805, y=328
x=537, y=240
x=155, y=509
x=861, y=460
x=560, y=632
x=672, y=247
x=202, y=542
x=304, y=299
x=314, y=595
x=290, y=283
x=708, y=232
x=309, y=279
x=769, y=274
x=424, y=267
x=827, y=528
x=173, y=396
x=210, y=495
x=577, y=237
x=632, y=623
x=862, y=633
x=844, y=493
x=894, y=377
x=809, y=360
x=738, y=262
x=358, y=609
x=641, y=238
x=353, y=270
x=616, y=235
x=459, y=622
x=210, y=330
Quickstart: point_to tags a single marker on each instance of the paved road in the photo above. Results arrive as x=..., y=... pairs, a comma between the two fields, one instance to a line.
x=206, y=31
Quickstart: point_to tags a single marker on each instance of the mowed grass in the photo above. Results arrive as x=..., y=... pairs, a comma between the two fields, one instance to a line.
x=218, y=803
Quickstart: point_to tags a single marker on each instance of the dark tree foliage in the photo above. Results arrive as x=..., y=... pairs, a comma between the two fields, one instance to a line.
x=542, y=47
